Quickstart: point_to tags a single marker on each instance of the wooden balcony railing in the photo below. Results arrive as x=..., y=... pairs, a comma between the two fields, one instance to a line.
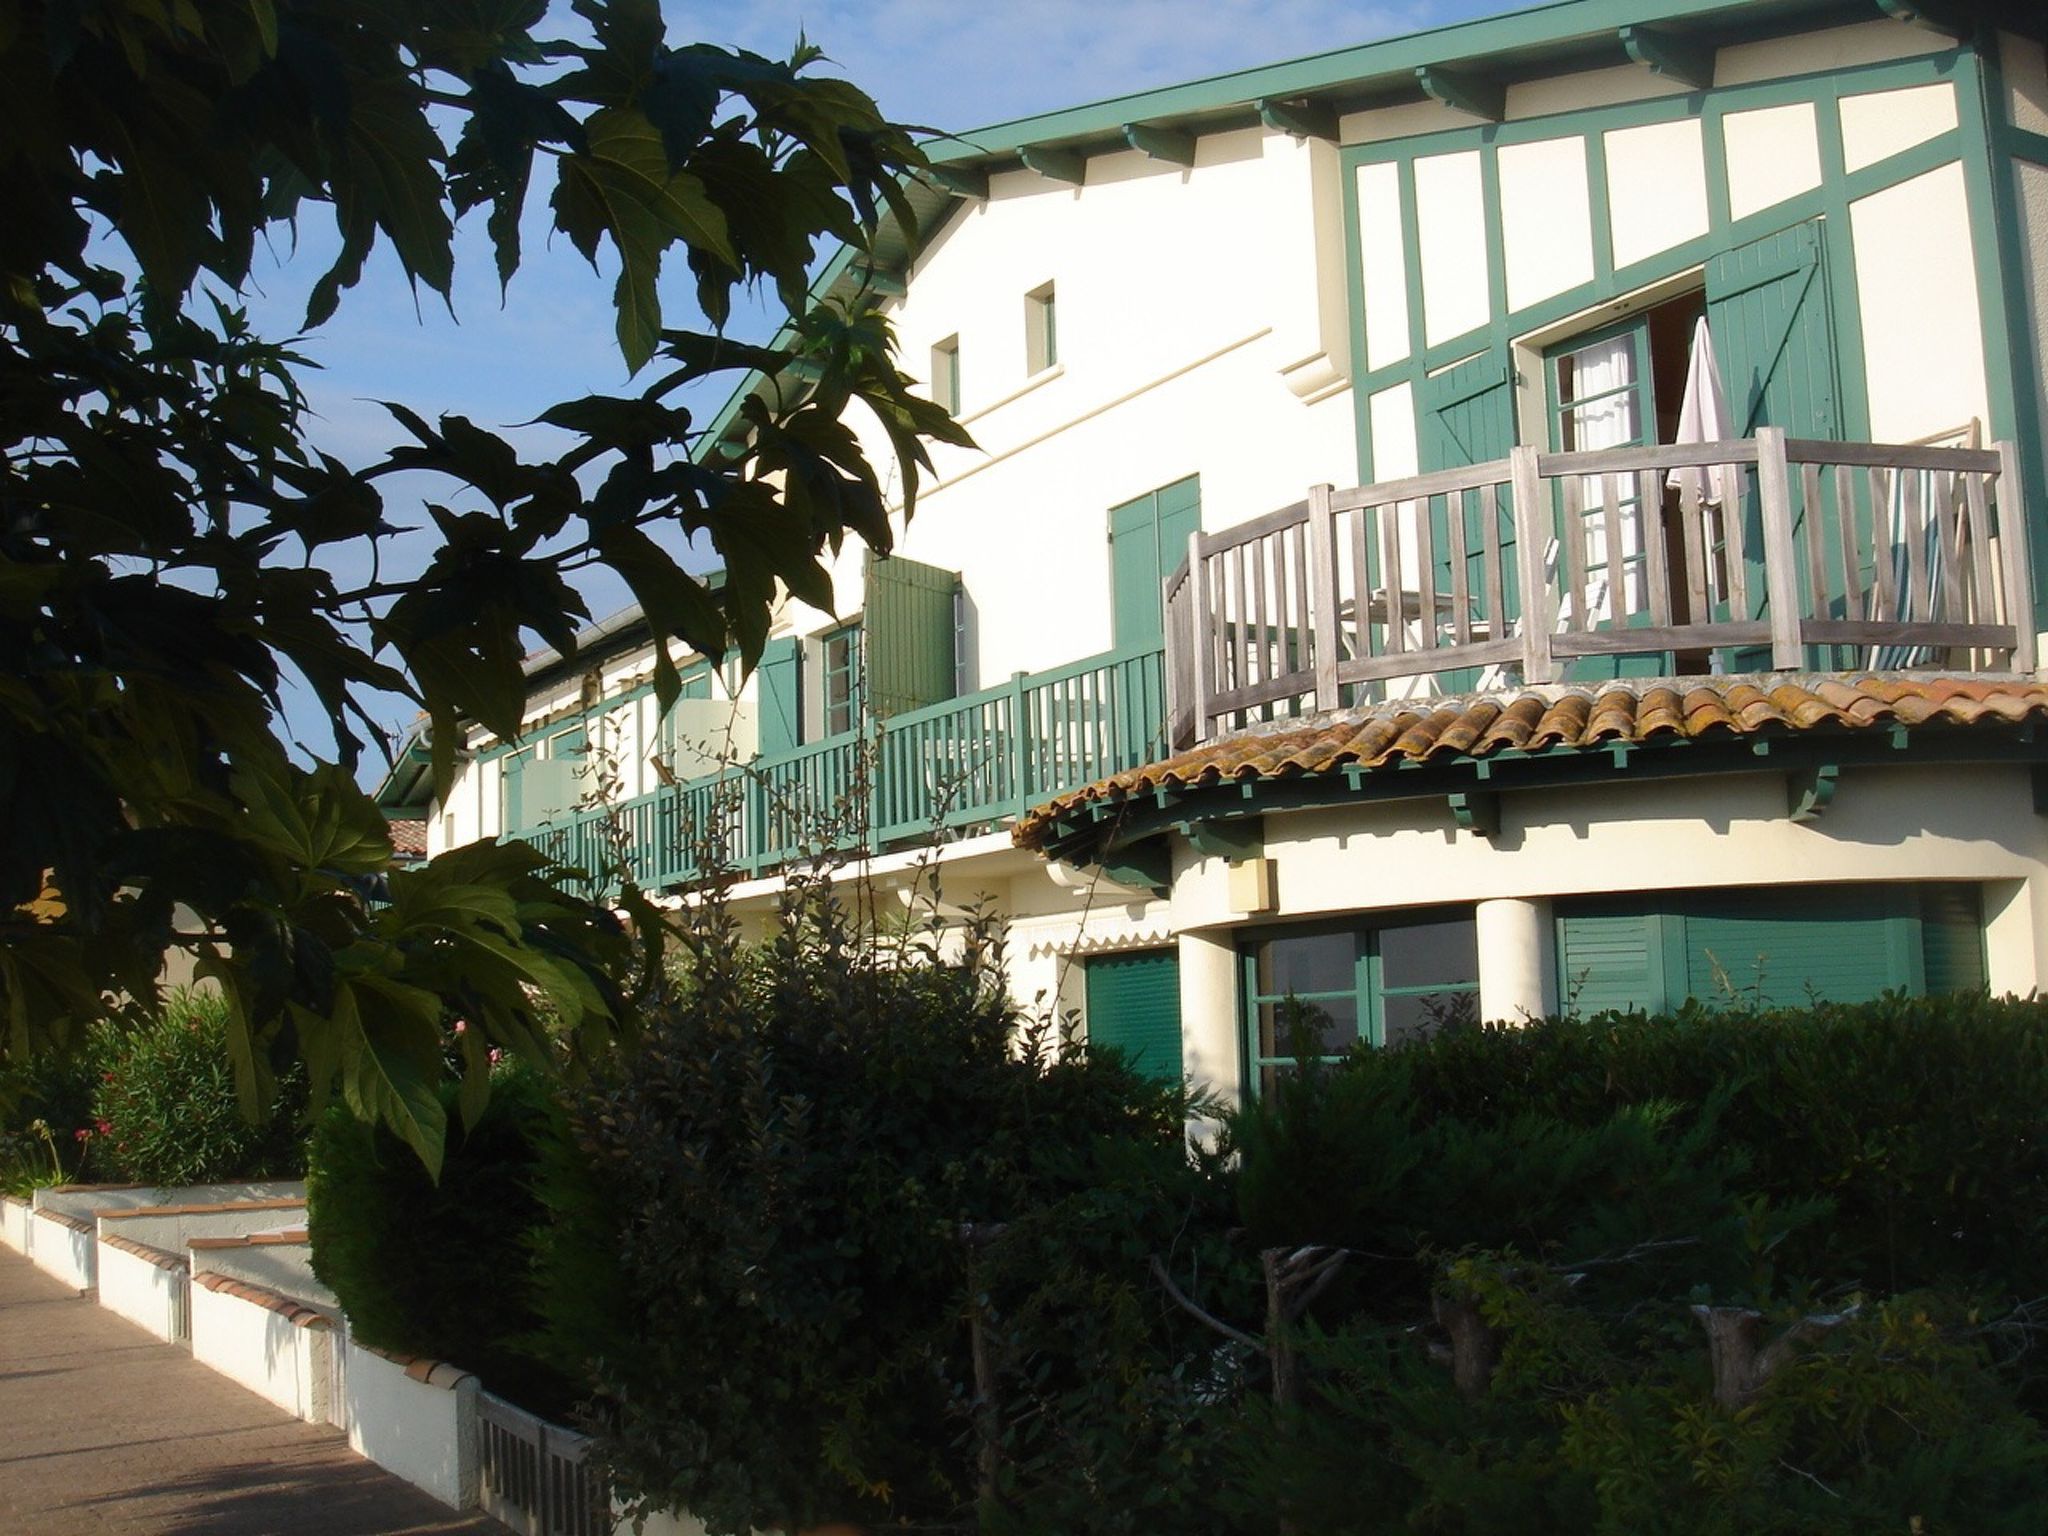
x=1772, y=553
x=922, y=775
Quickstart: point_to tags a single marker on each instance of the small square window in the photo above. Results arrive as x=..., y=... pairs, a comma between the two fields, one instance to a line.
x=1041, y=330
x=946, y=374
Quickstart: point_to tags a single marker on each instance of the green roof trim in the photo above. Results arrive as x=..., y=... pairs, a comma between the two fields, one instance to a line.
x=407, y=788
x=1478, y=59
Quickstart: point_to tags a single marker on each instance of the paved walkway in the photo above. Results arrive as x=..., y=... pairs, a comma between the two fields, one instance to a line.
x=105, y=1429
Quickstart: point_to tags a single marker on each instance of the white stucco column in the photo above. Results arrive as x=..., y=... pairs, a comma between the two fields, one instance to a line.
x=1209, y=1048
x=1517, y=960
x=2015, y=935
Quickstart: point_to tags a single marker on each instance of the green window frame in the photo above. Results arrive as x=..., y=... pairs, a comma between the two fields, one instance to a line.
x=946, y=374
x=1041, y=329
x=840, y=665
x=1376, y=985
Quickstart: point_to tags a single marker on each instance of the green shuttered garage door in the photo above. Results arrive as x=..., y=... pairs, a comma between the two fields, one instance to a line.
x=1134, y=1005
x=1777, y=947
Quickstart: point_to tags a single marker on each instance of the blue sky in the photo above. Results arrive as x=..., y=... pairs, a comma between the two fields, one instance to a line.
x=945, y=64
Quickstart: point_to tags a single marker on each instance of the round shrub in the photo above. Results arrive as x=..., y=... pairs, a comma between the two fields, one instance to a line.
x=443, y=1269
x=166, y=1110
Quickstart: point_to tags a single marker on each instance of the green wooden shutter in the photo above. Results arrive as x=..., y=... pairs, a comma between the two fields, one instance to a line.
x=1781, y=948
x=1774, y=338
x=1148, y=540
x=1767, y=306
x=1134, y=1005
x=1466, y=415
x=909, y=634
x=512, y=781
x=1952, y=938
x=781, y=696
x=1609, y=960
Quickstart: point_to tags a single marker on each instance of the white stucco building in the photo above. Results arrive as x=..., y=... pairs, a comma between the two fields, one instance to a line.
x=1524, y=707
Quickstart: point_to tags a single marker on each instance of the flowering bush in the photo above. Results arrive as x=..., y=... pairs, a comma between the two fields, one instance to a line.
x=166, y=1111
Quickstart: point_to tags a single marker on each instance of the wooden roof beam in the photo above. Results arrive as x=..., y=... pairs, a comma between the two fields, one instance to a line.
x=960, y=180
x=1168, y=144
x=1468, y=93
x=1932, y=15
x=1302, y=119
x=1056, y=164
x=1681, y=59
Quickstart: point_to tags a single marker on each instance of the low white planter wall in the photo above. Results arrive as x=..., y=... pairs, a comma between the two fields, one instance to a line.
x=171, y=1227
x=61, y=1245
x=149, y=1287
x=657, y=1525
x=278, y=1348
x=14, y=1215
x=91, y=1199
x=278, y=1261
x=415, y=1418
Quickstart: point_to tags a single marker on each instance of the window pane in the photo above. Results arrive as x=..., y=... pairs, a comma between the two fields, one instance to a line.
x=1418, y=1015
x=1330, y=1025
x=1314, y=962
x=1429, y=954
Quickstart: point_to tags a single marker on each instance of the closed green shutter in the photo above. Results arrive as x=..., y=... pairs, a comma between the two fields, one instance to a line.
x=1952, y=935
x=1134, y=1005
x=512, y=779
x=909, y=634
x=781, y=696
x=1148, y=540
x=1609, y=960
x=1782, y=949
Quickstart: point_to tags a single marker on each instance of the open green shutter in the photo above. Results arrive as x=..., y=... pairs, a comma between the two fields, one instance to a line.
x=1466, y=415
x=1148, y=539
x=1134, y=1006
x=1952, y=936
x=1774, y=337
x=909, y=634
x=512, y=778
x=781, y=696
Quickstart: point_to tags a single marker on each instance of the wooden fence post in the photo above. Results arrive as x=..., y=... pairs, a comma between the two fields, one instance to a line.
x=1532, y=536
x=2012, y=550
x=1322, y=586
x=1200, y=639
x=1781, y=567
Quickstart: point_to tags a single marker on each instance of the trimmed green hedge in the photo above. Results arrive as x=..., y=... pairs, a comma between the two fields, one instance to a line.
x=440, y=1269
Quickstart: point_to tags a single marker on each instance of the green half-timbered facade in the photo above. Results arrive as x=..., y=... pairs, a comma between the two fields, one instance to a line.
x=1374, y=402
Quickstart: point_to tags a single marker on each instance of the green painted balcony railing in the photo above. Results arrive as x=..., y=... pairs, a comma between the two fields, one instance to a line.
x=919, y=776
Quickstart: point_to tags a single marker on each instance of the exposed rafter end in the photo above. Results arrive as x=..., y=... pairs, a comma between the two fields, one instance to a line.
x=1679, y=59
x=1927, y=14
x=884, y=284
x=1056, y=164
x=1241, y=837
x=1303, y=119
x=1476, y=811
x=1144, y=867
x=1168, y=144
x=960, y=180
x=1810, y=791
x=1468, y=93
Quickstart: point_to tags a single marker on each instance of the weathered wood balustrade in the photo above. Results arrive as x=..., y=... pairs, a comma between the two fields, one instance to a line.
x=1772, y=553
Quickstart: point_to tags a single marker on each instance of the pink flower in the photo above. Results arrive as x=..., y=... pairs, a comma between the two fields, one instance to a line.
x=496, y=1055
x=104, y=1126
x=462, y=1026
x=82, y=1134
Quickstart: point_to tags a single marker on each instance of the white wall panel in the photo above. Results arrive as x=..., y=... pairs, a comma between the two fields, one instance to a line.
x=1879, y=124
x=1383, y=264
x=1923, y=337
x=1656, y=188
x=1546, y=219
x=1450, y=213
x=1773, y=153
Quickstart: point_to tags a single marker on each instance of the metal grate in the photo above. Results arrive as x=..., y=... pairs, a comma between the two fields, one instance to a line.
x=535, y=1474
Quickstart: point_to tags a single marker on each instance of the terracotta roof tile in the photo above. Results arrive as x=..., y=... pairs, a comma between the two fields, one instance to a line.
x=408, y=838
x=1383, y=736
